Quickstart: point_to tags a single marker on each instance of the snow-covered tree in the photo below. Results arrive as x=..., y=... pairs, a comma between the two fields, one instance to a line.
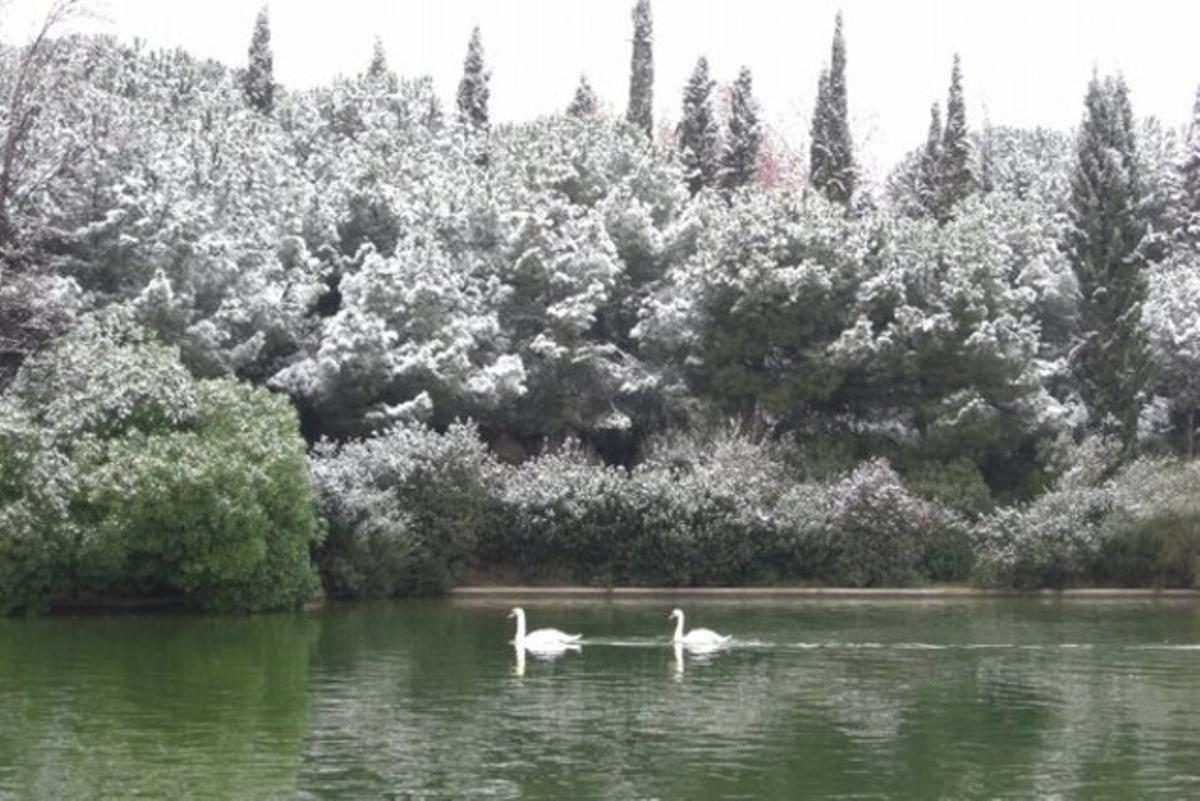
x=928, y=182
x=378, y=68
x=260, y=71
x=584, y=103
x=1172, y=318
x=473, y=91
x=1105, y=245
x=640, y=112
x=956, y=177
x=831, y=166
x=697, y=130
x=1189, y=168
x=739, y=153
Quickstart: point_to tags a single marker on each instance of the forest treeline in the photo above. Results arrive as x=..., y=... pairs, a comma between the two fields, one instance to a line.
x=255, y=341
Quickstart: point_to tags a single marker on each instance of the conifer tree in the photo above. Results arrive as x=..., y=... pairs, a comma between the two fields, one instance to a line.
x=259, y=84
x=473, y=92
x=697, y=132
x=1105, y=250
x=955, y=178
x=583, y=104
x=740, y=156
x=378, y=67
x=831, y=154
x=931, y=159
x=641, y=71
x=1190, y=176
x=819, y=162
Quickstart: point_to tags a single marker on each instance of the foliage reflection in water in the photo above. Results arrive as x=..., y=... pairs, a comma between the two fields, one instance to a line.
x=821, y=700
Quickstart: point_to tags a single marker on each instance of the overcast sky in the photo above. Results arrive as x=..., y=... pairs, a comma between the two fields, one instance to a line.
x=1025, y=62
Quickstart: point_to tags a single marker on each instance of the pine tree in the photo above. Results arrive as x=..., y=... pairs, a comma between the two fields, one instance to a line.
x=584, y=102
x=473, y=92
x=739, y=159
x=931, y=159
x=697, y=132
x=260, y=74
x=641, y=71
x=378, y=67
x=1104, y=247
x=955, y=178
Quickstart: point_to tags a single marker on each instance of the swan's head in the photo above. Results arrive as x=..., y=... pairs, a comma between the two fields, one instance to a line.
x=516, y=612
x=676, y=612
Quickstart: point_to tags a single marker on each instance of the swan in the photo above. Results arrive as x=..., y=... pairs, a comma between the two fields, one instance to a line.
x=696, y=639
x=541, y=639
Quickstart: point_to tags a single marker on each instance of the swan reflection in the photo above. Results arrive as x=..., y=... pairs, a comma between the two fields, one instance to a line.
x=542, y=654
x=698, y=654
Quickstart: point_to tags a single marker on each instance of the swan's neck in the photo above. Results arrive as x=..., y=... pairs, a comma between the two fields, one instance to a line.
x=520, y=626
x=679, y=627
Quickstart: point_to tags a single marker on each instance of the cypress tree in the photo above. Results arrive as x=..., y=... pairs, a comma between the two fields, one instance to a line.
x=831, y=154
x=955, y=179
x=931, y=159
x=641, y=71
x=819, y=161
x=1190, y=175
x=473, y=92
x=378, y=67
x=697, y=132
x=584, y=102
x=259, y=84
x=1104, y=241
x=740, y=156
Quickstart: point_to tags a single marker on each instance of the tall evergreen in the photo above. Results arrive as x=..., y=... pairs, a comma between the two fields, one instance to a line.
x=697, y=132
x=583, y=104
x=931, y=160
x=1104, y=247
x=641, y=70
x=956, y=180
x=378, y=67
x=259, y=86
x=739, y=158
x=473, y=92
x=819, y=161
x=1190, y=176
x=831, y=152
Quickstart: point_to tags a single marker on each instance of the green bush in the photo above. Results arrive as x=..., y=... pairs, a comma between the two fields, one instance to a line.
x=406, y=509
x=1140, y=527
x=155, y=485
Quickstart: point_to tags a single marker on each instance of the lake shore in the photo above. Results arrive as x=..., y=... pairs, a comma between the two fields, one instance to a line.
x=800, y=593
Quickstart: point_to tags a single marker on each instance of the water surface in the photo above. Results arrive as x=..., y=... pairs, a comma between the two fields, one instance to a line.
x=816, y=699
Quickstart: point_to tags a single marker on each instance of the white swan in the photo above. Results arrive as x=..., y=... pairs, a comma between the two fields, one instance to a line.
x=696, y=639
x=541, y=639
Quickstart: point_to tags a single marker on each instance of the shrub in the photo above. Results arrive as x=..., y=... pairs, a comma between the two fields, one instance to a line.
x=1140, y=527
x=121, y=476
x=876, y=531
x=221, y=513
x=406, y=509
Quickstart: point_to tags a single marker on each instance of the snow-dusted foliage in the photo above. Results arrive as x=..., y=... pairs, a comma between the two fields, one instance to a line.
x=569, y=280
x=406, y=509
x=1137, y=528
x=640, y=111
x=831, y=150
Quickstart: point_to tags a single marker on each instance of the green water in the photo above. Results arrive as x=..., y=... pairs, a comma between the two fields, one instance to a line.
x=979, y=699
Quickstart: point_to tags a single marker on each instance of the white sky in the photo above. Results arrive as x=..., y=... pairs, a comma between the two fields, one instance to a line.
x=1027, y=62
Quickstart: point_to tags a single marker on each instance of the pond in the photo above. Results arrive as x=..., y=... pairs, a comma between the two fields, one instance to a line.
x=814, y=699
